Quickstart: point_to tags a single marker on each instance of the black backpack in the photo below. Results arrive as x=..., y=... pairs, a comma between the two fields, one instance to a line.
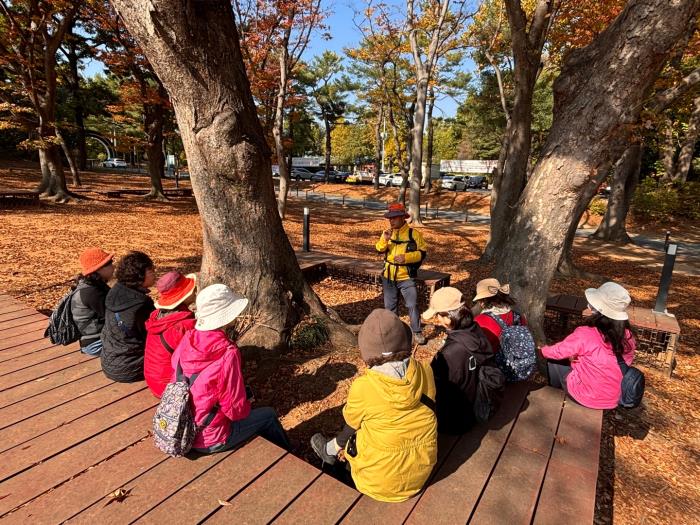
x=411, y=246
x=489, y=392
x=62, y=329
x=632, y=385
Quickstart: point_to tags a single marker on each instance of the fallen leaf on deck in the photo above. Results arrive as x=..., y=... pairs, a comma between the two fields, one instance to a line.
x=118, y=495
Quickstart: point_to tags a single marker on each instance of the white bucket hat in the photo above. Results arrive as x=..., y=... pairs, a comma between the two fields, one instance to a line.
x=610, y=299
x=217, y=306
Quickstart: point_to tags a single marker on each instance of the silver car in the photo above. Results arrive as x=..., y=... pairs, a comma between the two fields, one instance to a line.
x=454, y=183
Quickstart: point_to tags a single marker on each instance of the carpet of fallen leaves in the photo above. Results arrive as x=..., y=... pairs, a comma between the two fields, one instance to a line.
x=650, y=461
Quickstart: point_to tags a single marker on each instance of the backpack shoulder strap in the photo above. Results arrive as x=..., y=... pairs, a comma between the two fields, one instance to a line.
x=498, y=319
x=165, y=344
x=190, y=381
x=427, y=402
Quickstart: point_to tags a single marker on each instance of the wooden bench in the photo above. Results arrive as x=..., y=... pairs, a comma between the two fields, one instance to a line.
x=365, y=272
x=70, y=439
x=657, y=333
x=17, y=198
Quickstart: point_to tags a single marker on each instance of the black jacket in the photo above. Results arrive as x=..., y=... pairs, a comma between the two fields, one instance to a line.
x=88, y=309
x=124, y=333
x=456, y=368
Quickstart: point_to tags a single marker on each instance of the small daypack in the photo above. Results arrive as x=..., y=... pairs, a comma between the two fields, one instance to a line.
x=411, y=246
x=518, y=357
x=632, y=385
x=62, y=329
x=174, y=428
x=489, y=392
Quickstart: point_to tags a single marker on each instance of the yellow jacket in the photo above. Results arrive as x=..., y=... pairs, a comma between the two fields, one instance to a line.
x=396, y=433
x=399, y=272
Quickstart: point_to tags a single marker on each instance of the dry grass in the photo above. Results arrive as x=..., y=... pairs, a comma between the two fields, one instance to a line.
x=650, y=456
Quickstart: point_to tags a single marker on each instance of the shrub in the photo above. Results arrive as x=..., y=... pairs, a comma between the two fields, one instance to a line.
x=598, y=206
x=309, y=333
x=655, y=200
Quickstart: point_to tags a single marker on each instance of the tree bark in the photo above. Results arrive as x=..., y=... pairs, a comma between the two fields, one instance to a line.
x=417, y=149
x=598, y=99
x=427, y=181
x=685, y=157
x=668, y=144
x=625, y=179
x=78, y=111
x=511, y=178
x=194, y=49
x=153, y=126
x=328, y=128
x=378, y=151
x=278, y=129
x=71, y=160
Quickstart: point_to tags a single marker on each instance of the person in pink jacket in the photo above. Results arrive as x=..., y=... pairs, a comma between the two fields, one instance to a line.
x=585, y=364
x=219, y=388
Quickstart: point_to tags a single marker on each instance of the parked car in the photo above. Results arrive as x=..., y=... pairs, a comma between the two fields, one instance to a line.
x=341, y=176
x=390, y=179
x=301, y=174
x=114, y=163
x=477, y=181
x=320, y=176
x=454, y=183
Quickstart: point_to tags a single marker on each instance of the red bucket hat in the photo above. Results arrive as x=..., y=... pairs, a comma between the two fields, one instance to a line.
x=92, y=259
x=396, y=209
x=173, y=288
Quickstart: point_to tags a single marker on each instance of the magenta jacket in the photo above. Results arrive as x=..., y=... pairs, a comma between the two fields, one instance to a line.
x=220, y=381
x=595, y=376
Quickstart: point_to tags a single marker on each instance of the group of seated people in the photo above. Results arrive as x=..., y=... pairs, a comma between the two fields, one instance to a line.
x=394, y=409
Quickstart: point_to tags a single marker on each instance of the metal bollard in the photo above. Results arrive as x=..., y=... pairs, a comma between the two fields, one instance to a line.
x=667, y=240
x=307, y=221
x=665, y=283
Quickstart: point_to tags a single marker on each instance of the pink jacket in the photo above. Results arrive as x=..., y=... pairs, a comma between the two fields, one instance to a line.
x=595, y=376
x=220, y=380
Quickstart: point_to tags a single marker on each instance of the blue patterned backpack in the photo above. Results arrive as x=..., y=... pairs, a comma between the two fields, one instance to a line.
x=517, y=358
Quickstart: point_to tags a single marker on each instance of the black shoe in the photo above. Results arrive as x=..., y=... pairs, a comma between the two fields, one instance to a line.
x=318, y=443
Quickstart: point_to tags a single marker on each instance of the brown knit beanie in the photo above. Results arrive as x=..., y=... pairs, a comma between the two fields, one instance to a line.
x=383, y=334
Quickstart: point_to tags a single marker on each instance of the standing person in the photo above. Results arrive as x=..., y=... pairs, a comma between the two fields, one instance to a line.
x=404, y=250
x=88, y=301
x=464, y=365
x=586, y=365
x=166, y=326
x=390, y=437
x=221, y=406
x=128, y=306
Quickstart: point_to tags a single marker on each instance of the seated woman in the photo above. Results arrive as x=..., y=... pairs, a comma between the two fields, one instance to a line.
x=88, y=301
x=127, y=309
x=493, y=299
x=219, y=396
x=585, y=364
x=457, y=366
x=166, y=326
x=390, y=440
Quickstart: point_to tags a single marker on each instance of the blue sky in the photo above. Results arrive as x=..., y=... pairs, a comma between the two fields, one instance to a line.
x=344, y=34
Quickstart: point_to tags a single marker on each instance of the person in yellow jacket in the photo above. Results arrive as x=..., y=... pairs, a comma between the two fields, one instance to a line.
x=390, y=436
x=404, y=249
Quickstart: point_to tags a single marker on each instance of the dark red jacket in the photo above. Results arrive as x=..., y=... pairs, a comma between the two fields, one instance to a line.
x=156, y=365
x=492, y=329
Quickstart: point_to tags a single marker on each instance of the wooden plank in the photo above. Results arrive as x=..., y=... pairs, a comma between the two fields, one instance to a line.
x=35, y=326
x=568, y=491
x=269, y=494
x=19, y=351
x=21, y=362
x=522, y=463
x=11, y=307
x=16, y=314
x=456, y=488
x=368, y=510
x=72, y=497
x=149, y=490
x=22, y=321
x=200, y=498
x=27, y=408
x=33, y=482
x=49, y=382
x=39, y=344
x=10, y=341
x=324, y=502
x=40, y=448
x=59, y=416
x=43, y=369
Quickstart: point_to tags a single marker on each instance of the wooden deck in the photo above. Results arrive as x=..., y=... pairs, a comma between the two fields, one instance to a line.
x=69, y=438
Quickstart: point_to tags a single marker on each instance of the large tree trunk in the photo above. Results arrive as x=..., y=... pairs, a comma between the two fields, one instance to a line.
x=278, y=130
x=71, y=160
x=625, y=179
x=78, y=112
x=591, y=128
x=668, y=147
x=53, y=181
x=685, y=157
x=511, y=177
x=427, y=181
x=417, y=148
x=328, y=127
x=194, y=48
x=153, y=124
x=378, y=151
